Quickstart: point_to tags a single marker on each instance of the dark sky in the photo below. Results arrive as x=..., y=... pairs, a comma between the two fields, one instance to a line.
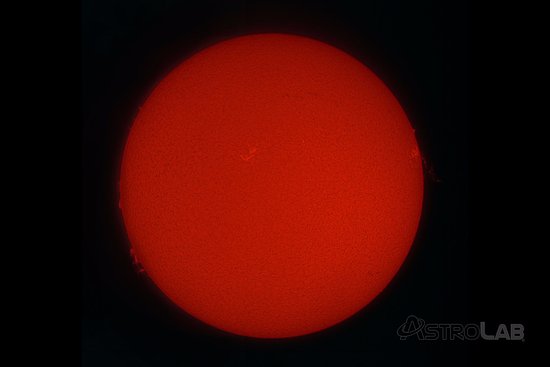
x=420, y=49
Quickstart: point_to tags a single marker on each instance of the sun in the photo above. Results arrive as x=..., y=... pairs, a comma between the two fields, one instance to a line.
x=271, y=185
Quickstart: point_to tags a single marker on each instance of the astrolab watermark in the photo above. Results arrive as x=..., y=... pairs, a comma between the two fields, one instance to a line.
x=416, y=328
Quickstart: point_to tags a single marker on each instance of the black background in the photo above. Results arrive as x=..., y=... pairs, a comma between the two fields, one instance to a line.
x=422, y=50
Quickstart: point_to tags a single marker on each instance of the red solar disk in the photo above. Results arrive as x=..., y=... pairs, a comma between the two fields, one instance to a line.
x=271, y=186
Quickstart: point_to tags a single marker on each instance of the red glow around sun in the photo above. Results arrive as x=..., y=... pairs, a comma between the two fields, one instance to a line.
x=271, y=186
